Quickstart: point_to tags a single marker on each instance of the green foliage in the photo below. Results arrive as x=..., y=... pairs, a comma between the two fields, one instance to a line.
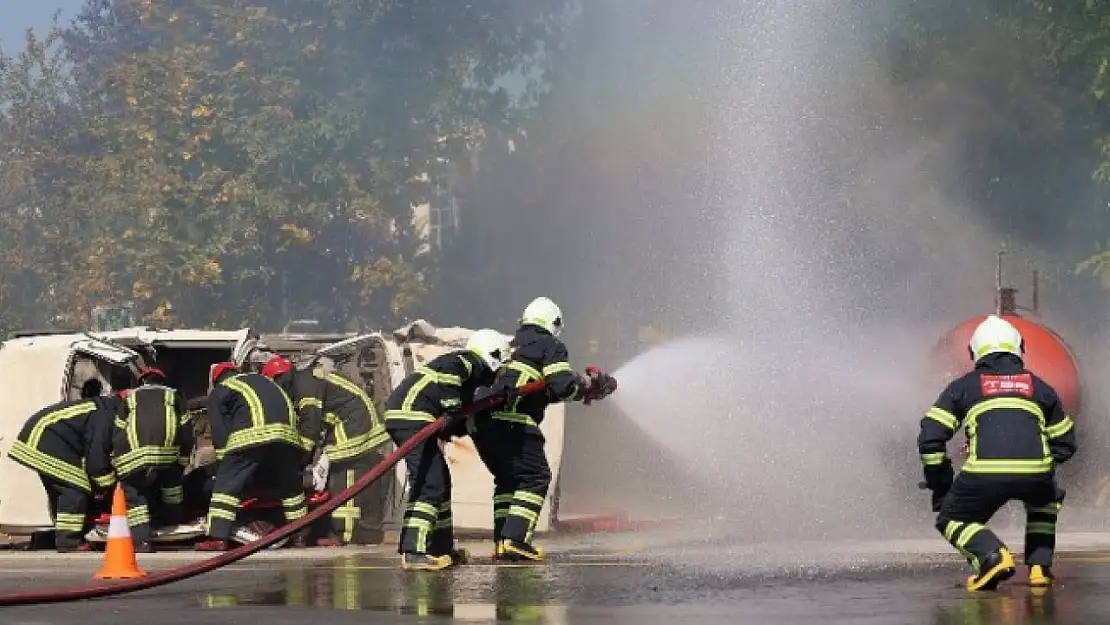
x=222, y=162
x=233, y=161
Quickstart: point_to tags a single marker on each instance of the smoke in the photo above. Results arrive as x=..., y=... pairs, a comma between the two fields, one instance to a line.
x=804, y=202
x=852, y=239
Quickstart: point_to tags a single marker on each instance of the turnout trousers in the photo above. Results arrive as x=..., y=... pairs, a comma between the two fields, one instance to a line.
x=975, y=498
x=514, y=454
x=273, y=463
x=154, y=494
x=69, y=507
x=427, y=527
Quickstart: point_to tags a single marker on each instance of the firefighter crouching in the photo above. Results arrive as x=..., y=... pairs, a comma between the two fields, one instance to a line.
x=150, y=448
x=254, y=432
x=339, y=411
x=69, y=444
x=1017, y=432
x=510, y=442
x=442, y=386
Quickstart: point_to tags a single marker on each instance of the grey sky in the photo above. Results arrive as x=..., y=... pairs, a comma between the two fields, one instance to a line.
x=19, y=15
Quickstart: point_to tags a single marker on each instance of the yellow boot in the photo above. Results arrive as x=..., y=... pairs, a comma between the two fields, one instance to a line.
x=425, y=562
x=995, y=569
x=1040, y=576
x=516, y=551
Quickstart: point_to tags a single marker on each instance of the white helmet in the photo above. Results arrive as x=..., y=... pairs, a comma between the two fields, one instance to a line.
x=544, y=313
x=995, y=335
x=491, y=346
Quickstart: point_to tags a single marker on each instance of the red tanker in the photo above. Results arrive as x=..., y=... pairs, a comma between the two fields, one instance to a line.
x=1046, y=353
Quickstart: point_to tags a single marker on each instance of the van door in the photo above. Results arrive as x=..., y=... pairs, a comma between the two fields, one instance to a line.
x=96, y=358
x=107, y=351
x=245, y=343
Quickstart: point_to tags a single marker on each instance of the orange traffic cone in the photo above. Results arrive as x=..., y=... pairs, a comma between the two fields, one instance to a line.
x=119, y=554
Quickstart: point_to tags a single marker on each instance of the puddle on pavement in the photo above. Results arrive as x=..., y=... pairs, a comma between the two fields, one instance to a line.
x=1012, y=605
x=484, y=593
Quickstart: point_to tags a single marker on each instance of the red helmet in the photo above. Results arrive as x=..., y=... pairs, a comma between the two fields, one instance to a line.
x=219, y=369
x=276, y=366
x=151, y=372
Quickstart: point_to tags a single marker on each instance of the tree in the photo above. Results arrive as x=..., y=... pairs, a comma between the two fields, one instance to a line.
x=231, y=162
x=36, y=109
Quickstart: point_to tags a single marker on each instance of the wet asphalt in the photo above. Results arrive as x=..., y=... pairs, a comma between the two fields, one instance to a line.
x=575, y=588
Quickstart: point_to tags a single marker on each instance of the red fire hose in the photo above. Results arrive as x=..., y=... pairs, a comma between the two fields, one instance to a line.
x=77, y=593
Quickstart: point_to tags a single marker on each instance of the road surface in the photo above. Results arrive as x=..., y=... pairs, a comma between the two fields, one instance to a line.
x=621, y=580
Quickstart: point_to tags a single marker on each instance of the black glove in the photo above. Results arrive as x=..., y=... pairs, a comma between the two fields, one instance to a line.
x=454, y=424
x=938, y=479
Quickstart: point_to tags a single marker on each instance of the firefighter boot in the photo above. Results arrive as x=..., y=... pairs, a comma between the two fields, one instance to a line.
x=459, y=556
x=994, y=569
x=1040, y=576
x=425, y=562
x=515, y=551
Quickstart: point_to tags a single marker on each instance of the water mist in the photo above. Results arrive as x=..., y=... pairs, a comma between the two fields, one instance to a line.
x=847, y=258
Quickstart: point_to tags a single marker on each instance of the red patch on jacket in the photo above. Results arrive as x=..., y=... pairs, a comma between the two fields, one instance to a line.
x=1021, y=384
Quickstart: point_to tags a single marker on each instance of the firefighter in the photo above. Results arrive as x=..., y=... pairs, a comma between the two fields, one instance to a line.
x=1017, y=432
x=150, y=450
x=337, y=411
x=254, y=432
x=510, y=441
x=440, y=387
x=69, y=444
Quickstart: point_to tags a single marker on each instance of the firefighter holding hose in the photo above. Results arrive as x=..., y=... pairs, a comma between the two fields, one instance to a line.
x=254, y=432
x=150, y=450
x=338, y=411
x=510, y=441
x=442, y=386
x=1017, y=433
x=69, y=444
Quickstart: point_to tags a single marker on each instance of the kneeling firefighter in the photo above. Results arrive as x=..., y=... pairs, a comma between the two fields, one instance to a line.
x=69, y=444
x=1017, y=433
x=150, y=450
x=338, y=411
x=440, y=387
x=254, y=432
x=510, y=441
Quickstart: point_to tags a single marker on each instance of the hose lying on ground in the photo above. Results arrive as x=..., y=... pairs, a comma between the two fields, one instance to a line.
x=77, y=593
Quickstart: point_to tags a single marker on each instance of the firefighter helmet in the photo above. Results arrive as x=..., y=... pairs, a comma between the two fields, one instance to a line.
x=544, y=313
x=151, y=372
x=276, y=365
x=220, y=368
x=491, y=346
x=995, y=335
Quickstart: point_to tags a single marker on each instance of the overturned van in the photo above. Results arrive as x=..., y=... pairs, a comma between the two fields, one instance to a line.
x=37, y=369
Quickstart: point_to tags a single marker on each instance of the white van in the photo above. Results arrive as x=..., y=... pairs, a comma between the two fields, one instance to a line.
x=37, y=370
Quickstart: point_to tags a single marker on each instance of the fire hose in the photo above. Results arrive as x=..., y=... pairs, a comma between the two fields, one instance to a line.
x=78, y=593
